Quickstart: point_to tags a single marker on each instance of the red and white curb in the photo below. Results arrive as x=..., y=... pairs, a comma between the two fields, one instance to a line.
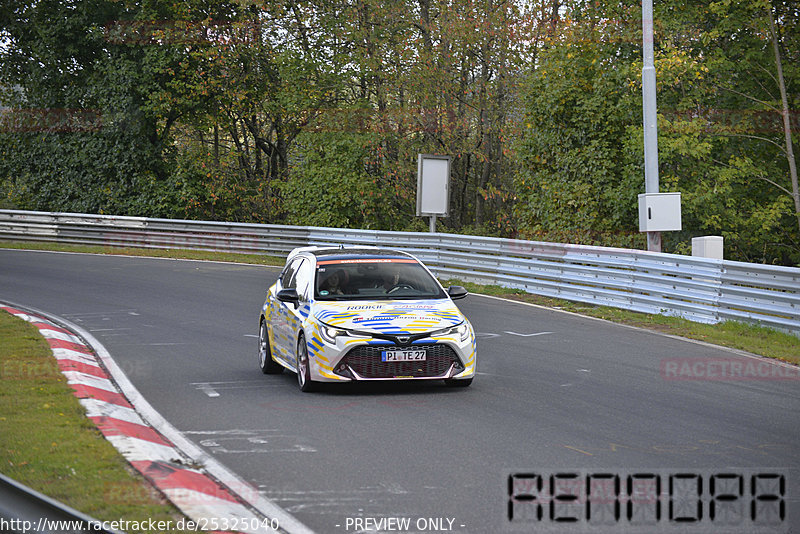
x=202, y=488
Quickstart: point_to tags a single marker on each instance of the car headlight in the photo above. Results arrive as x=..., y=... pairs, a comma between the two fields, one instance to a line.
x=461, y=330
x=329, y=333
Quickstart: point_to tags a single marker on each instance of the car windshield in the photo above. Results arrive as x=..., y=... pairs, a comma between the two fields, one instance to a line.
x=374, y=278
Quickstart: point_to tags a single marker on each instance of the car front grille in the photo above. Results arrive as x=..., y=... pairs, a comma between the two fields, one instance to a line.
x=365, y=360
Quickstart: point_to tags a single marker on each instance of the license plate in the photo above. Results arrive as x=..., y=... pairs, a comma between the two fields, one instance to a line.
x=403, y=355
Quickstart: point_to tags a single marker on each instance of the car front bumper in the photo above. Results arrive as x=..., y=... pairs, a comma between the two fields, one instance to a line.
x=359, y=358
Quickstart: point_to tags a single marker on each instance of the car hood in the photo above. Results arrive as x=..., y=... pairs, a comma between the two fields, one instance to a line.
x=390, y=317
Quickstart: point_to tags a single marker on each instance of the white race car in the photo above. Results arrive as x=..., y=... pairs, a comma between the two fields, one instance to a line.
x=346, y=314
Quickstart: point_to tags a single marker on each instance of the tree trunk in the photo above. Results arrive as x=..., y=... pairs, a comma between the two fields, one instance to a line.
x=216, y=145
x=256, y=151
x=787, y=129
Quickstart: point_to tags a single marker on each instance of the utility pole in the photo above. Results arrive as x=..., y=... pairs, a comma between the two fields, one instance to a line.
x=650, y=118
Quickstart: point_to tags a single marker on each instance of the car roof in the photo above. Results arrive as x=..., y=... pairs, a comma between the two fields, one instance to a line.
x=344, y=253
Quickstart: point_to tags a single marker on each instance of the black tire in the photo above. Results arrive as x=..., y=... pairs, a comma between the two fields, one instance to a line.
x=265, y=361
x=456, y=383
x=303, y=372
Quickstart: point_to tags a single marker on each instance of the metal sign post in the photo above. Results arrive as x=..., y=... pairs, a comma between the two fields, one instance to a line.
x=650, y=117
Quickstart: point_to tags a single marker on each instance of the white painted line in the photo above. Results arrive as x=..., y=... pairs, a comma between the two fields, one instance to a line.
x=527, y=335
x=141, y=450
x=74, y=377
x=105, y=315
x=223, y=382
x=26, y=317
x=232, y=432
x=197, y=504
x=75, y=356
x=486, y=335
x=580, y=381
x=54, y=334
x=208, y=390
x=99, y=408
x=211, y=388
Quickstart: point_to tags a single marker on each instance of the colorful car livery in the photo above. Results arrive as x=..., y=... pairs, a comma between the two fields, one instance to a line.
x=360, y=314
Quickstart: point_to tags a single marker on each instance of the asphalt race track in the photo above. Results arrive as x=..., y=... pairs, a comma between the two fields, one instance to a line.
x=556, y=393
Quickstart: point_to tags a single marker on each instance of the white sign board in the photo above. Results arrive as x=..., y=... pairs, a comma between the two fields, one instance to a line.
x=433, y=185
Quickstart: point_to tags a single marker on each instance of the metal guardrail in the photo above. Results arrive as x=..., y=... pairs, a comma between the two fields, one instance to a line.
x=699, y=289
x=23, y=510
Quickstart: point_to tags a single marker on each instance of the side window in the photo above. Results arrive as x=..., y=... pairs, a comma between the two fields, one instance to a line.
x=288, y=275
x=304, y=276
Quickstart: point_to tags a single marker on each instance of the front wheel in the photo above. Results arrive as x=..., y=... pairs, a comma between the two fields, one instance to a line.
x=303, y=371
x=265, y=361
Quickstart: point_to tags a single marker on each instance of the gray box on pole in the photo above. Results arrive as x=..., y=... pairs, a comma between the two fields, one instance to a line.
x=660, y=212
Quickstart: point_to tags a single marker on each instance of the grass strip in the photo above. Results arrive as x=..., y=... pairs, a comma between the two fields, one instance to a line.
x=48, y=443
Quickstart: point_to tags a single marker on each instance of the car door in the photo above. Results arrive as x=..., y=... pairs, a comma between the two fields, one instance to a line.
x=278, y=313
x=290, y=315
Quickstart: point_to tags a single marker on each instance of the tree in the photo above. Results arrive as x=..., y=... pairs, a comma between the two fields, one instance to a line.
x=73, y=60
x=308, y=112
x=576, y=183
x=722, y=142
x=748, y=178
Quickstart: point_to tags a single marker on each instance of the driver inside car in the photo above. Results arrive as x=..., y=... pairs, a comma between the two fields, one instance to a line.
x=390, y=279
x=333, y=284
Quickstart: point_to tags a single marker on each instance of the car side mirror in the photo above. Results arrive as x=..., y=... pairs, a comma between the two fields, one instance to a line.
x=288, y=295
x=457, y=292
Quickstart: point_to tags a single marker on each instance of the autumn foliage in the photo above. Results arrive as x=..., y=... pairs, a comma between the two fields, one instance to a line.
x=310, y=112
